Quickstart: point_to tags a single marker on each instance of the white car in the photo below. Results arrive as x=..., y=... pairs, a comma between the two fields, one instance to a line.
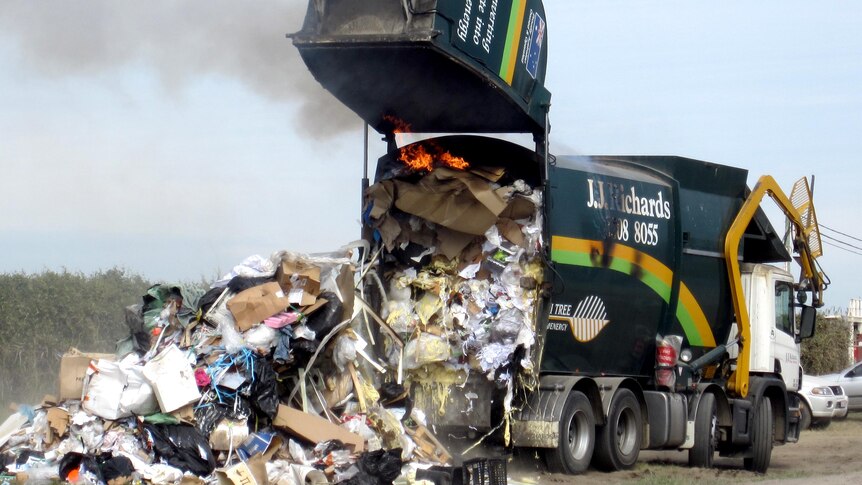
x=850, y=379
x=822, y=400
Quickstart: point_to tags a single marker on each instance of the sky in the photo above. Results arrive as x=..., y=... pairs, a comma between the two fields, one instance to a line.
x=174, y=139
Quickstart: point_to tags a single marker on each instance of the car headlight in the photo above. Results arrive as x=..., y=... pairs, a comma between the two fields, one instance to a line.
x=821, y=391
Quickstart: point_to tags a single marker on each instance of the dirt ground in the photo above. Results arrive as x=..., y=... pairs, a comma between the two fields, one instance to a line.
x=828, y=456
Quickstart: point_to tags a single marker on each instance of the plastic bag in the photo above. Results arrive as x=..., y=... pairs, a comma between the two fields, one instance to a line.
x=377, y=468
x=183, y=447
x=426, y=348
x=264, y=395
x=325, y=319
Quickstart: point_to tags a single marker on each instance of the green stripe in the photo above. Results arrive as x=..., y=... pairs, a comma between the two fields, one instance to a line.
x=510, y=39
x=694, y=337
x=652, y=281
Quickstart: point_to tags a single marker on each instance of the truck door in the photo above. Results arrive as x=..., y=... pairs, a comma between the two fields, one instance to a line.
x=785, y=352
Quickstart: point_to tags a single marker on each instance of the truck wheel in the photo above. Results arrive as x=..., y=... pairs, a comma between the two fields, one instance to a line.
x=577, y=437
x=761, y=442
x=805, y=419
x=618, y=442
x=705, y=433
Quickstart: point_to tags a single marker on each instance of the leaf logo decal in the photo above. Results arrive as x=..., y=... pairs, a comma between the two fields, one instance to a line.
x=589, y=319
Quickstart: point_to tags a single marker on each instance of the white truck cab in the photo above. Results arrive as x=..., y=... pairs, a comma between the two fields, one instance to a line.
x=769, y=294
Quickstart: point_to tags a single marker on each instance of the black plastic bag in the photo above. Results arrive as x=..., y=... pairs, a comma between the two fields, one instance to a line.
x=393, y=394
x=240, y=283
x=182, y=446
x=325, y=319
x=377, y=468
x=209, y=298
x=115, y=467
x=102, y=468
x=209, y=415
x=81, y=467
x=264, y=395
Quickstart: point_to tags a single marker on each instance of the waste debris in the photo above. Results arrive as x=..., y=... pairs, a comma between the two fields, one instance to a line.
x=340, y=367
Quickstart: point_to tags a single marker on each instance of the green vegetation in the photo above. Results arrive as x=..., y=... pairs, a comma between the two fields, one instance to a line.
x=43, y=315
x=827, y=351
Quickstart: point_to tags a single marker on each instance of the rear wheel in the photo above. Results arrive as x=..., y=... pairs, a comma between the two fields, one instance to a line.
x=761, y=443
x=618, y=442
x=805, y=419
x=705, y=433
x=577, y=437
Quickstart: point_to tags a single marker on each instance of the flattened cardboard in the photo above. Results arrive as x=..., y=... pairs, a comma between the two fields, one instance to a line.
x=490, y=173
x=452, y=243
x=380, y=196
x=519, y=208
x=314, y=428
x=510, y=230
x=300, y=282
x=73, y=369
x=253, y=305
x=58, y=421
x=457, y=200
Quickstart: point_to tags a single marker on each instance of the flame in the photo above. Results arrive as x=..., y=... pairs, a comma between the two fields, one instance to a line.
x=452, y=161
x=417, y=157
x=421, y=156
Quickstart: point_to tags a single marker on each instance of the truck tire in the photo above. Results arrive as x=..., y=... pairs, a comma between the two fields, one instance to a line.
x=805, y=418
x=761, y=442
x=618, y=442
x=577, y=437
x=705, y=433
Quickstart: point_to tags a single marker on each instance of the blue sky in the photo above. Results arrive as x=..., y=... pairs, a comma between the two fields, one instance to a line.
x=175, y=139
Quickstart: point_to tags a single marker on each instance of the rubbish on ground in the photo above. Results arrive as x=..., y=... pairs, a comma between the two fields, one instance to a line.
x=286, y=372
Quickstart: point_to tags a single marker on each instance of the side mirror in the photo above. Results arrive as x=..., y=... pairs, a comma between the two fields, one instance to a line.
x=806, y=322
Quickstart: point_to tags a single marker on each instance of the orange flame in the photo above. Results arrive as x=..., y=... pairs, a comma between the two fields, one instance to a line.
x=417, y=157
x=421, y=156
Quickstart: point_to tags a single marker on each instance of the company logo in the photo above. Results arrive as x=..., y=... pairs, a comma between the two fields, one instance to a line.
x=586, y=320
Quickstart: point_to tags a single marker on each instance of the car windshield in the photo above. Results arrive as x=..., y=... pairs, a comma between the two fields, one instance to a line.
x=855, y=371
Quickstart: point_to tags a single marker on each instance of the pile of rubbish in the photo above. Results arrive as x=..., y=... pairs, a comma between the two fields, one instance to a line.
x=312, y=369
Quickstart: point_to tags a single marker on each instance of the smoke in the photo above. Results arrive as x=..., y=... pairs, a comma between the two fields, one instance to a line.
x=180, y=41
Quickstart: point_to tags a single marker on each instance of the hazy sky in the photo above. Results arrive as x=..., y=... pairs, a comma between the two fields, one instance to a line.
x=176, y=138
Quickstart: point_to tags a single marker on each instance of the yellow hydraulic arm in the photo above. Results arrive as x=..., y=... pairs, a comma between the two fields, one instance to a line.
x=799, y=209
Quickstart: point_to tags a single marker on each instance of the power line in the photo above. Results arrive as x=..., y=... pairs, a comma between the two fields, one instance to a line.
x=841, y=242
x=839, y=232
x=841, y=247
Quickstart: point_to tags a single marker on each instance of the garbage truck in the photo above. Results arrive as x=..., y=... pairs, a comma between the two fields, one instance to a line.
x=587, y=306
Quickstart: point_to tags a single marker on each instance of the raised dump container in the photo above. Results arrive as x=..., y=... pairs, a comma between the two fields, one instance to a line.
x=433, y=65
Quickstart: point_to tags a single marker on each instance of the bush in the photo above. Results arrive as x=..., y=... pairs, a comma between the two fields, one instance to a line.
x=42, y=315
x=827, y=351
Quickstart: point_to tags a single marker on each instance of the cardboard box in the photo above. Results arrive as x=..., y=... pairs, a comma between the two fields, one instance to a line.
x=73, y=369
x=252, y=472
x=172, y=378
x=300, y=281
x=252, y=306
x=314, y=428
